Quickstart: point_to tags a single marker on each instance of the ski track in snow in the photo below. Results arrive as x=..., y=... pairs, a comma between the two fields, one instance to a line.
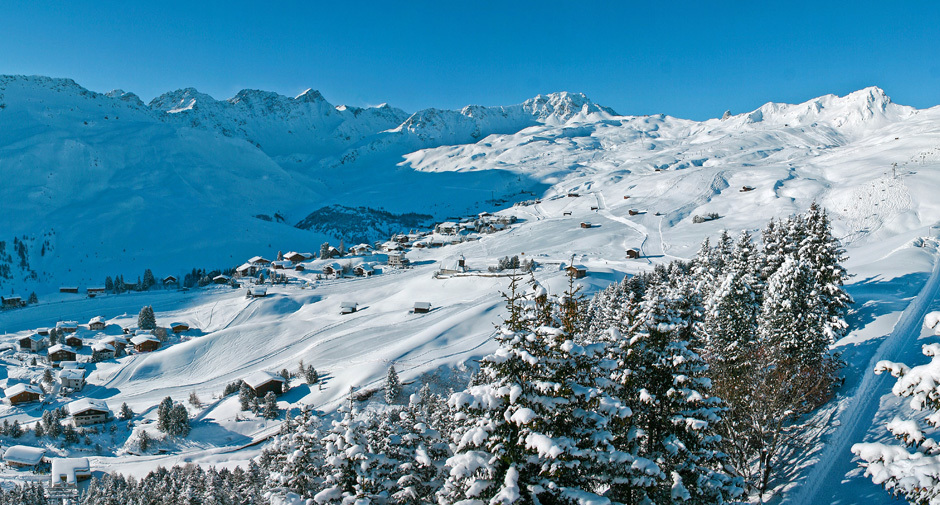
x=825, y=481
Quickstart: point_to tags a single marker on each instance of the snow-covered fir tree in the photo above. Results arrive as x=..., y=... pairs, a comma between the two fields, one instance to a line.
x=146, y=320
x=911, y=467
x=392, y=386
x=536, y=430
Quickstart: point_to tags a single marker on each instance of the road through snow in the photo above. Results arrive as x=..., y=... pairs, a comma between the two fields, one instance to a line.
x=825, y=482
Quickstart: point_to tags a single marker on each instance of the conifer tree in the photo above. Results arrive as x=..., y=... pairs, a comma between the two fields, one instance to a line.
x=163, y=414
x=146, y=319
x=393, y=386
x=148, y=280
x=536, y=429
x=270, y=410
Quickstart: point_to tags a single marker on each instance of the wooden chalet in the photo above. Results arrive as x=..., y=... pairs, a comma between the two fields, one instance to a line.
x=360, y=249
x=585, y=224
x=364, y=270
x=295, y=257
x=247, y=270
x=633, y=212
x=66, y=326
x=43, y=331
x=170, y=280
x=69, y=289
x=281, y=265
x=448, y=228
x=96, y=324
x=348, y=307
x=102, y=350
x=577, y=271
x=745, y=189
x=117, y=342
x=633, y=253
x=299, y=268
x=23, y=456
x=332, y=269
x=422, y=307
x=257, y=291
x=88, y=411
x=11, y=302
x=145, y=343
x=178, y=327
x=74, y=341
x=263, y=382
x=573, y=195
x=22, y=393
x=93, y=292
x=33, y=343
x=221, y=279
x=59, y=352
x=390, y=246
x=259, y=261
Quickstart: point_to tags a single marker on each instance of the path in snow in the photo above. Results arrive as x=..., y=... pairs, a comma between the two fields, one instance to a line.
x=825, y=482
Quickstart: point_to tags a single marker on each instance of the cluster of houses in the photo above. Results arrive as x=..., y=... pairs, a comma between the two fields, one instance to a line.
x=65, y=473
x=71, y=375
x=169, y=282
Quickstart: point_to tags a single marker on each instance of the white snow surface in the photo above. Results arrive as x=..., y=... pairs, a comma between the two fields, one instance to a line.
x=102, y=184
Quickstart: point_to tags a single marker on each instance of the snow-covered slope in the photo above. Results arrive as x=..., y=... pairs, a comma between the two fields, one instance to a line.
x=99, y=185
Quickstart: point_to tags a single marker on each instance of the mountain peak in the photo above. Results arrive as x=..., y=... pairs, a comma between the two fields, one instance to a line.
x=562, y=106
x=310, y=95
x=180, y=100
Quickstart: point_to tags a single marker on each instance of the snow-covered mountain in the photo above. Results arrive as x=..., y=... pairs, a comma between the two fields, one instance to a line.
x=103, y=184
x=81, y=163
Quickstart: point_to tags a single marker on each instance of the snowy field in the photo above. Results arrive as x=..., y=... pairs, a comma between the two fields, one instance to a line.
x=639, y=181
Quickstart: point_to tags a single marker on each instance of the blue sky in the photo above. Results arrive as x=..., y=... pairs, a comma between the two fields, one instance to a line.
x=687, y=59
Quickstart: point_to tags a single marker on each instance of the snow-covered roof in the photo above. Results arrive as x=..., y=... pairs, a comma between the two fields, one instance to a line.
x=113, y=338
x=24, y=455
x=35, y=337
x=245, y=267
x=260, y=378
x=348, y=304
x=71, y=364
x=71, y=373
x=143, y=332
x=283, y=263
x=140, y=339
x=102, y=347
x=223, y=277
x=423, y=305
x=258, y=290
x=86, y=404
x=66, y=324
x=365, y=267
x=21, y=387
x=59, y=347
x=178, y=324
x=96, y=319
x=258, y=259
x=578, y=267
x=69, y=468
